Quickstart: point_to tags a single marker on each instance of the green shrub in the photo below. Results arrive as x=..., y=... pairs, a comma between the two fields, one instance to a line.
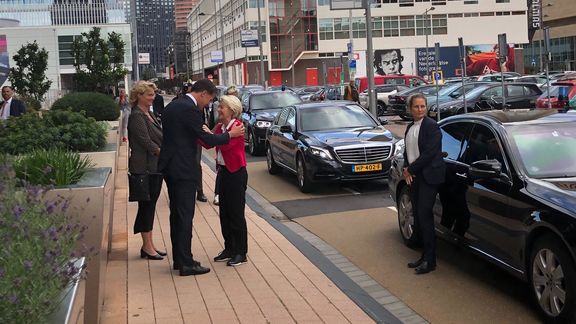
x=32, y=105
x=97, y=105
x=56, y=167
x=54, y=129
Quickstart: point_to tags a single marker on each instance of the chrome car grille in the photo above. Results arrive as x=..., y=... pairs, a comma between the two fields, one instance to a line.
x=367, y=154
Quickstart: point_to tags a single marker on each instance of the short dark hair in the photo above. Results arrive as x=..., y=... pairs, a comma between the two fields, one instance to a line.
x=415, y=96
x=204, y=85
x=4, y=87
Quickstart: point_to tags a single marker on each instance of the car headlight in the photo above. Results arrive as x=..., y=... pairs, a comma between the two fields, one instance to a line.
x=399, y=147
x=321, y=153
x=263, y=124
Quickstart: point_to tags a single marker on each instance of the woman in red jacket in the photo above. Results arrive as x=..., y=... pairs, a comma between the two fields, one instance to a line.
x=231, y=165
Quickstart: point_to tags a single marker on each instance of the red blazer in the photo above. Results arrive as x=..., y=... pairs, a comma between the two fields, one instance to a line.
x=233, y=153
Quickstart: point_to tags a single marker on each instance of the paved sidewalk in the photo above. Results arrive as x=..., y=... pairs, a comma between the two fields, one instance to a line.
x=277, y=285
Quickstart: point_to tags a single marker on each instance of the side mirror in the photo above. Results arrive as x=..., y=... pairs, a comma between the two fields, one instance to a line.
x=485, y=169
x=286, y=129
x=382, y=120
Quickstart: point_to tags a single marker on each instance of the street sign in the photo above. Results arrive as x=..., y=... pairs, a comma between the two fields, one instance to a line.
x=249, y=38
x=216, y=57
x=143, y=58
x=352, y=64
x=349, y=46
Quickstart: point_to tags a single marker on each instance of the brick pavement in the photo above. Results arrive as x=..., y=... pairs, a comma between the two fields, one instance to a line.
x=277, y=285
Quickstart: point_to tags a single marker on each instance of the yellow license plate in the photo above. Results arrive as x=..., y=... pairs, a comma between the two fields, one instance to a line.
x=432, y=113
x=367, y=167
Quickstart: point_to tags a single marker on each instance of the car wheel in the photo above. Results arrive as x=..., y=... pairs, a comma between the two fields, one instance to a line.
x=253, y=147
x=553, y=280
x=273, y=168
x=406, y=218
x=304, y=183
x=380, y=108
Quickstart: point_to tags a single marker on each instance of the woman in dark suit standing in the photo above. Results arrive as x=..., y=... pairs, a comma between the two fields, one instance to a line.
x=233, y=180
x=424, y=171
x=145, y=138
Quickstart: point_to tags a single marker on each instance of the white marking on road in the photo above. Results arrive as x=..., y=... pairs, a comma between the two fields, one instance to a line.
x=354, y=192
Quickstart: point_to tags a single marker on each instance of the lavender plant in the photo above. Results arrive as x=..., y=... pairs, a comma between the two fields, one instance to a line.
x=40, y=243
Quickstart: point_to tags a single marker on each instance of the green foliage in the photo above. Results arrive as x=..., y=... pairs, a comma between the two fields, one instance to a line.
x=148, y=74
x=28, y=78
x=39, y=241
x=96, y=105
x=98, y=62
x=55, y=129
x=56, y=167
x=32, y=105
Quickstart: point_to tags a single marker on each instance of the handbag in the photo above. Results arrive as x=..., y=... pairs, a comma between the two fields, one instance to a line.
x=138, y=187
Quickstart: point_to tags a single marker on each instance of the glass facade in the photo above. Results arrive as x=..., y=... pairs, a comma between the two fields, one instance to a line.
x=562, y=51
x=155, y=25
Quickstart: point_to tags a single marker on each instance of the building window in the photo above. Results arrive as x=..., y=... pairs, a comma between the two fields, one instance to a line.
x=254, y=3
x=455, y=15
x=470, y=1
x=377, y=27
x=323, y=2
x=389, y=1
x=502, y=1
x=65, y=49
x=471, y=14
x=326, y=28
x=359, y=27
x=502, y=13
x=486, y=14
x=341, y=28
x=406, y=3
x=407, y=26
x=439, y=25
x=518, y=13
x=253, y=25
x=390, y=25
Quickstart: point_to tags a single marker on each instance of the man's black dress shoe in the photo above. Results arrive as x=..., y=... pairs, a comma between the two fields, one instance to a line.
x=425, y=267
x=223, y=256
x=415, y=264
x=200, y=197
x=193, y=270
x=236, y=260
x=145, y=255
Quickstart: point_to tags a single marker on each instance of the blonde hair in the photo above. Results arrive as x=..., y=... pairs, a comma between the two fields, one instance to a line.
x=232, y=91
x=140, y=88
x=232, y=103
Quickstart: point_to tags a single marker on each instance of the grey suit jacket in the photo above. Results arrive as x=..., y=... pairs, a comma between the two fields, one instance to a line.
x=145, y=138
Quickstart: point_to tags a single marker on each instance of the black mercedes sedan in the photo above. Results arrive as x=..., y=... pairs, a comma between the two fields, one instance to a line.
x=259, y=109
x=329, y=141
x=510, y=197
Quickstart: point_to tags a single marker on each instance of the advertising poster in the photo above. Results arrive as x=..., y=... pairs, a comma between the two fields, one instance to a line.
x=388, y=61
x=4, y=60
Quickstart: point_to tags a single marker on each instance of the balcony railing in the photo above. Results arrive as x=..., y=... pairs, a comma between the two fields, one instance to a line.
x=65, y=14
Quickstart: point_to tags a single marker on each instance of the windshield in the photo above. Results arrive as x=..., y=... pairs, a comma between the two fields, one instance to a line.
x=449, y=89
x=274, y=100
x=546, y=150
x=335, y=117
x=476, y=92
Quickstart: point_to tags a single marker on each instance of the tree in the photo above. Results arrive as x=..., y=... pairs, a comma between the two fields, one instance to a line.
x=28, y=78
x=148, y=73
x=99, y=63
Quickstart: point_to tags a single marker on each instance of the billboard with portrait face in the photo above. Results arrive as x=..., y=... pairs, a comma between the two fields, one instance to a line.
x=4, y=60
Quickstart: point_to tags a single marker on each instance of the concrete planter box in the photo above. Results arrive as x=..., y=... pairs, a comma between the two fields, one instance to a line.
x=114, y=123
x=92, y=199
x=71, y=307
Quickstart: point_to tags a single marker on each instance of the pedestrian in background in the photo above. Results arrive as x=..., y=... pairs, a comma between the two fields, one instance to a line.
x=424, y=171
x=231, y=164
x=123, y=102
x=10, y=106
x=145, y=139
x=158, y=104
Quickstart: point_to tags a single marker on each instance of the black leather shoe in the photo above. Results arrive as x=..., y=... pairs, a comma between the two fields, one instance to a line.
x=161, y=253
x=200, y=197
x=415, y=264
x=236, y=260
x=425, y=267
x=223, y=256
x=145, y=255
x=193, y=270
x=176, y=266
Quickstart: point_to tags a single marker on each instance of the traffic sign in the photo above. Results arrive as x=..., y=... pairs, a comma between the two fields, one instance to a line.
x=352, y=64
x=349, y=46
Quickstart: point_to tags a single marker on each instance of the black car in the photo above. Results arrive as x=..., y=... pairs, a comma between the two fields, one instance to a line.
x=397, y=102
x=329, y=141
x=488, y=97
x=328, y=93
x=259, y=109
x=510, y=197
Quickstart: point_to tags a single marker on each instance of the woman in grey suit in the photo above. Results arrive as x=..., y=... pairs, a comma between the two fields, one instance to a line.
x=145, y=138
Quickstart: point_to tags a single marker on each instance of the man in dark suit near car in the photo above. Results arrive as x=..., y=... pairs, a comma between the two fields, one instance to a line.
x=182, y=127
x=10, y=106
x=424, y=171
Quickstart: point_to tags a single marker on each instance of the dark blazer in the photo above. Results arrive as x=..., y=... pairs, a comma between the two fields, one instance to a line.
x=17, y=107
x=430, y=164
x=144, y=138
x=182, y=125
x=158, y=105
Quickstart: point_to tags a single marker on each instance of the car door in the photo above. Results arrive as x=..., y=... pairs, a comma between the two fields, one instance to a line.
x=451, y=212
x=490, y=99
x=275, y=138
x=288, y=141
x=515, y=97
x=488, y=198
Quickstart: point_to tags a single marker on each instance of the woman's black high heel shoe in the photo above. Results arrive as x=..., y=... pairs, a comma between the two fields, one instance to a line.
x=161, y=253
x=145, y=255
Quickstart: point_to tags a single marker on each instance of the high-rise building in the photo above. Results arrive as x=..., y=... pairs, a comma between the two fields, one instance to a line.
x=182, y=9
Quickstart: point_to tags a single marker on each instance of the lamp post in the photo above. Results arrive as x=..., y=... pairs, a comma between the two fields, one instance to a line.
x=262, y=74
x=370, y=58
x=426, y=18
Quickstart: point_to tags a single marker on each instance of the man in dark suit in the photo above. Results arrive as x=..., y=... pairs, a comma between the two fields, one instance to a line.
x=10, y=106
x=424, y=171
x=158, y=104
x=182, y=127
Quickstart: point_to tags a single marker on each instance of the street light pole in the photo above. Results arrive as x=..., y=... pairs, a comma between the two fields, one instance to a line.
x=224, y=71
x=370, y=59
x=262, y=73
x=426, y=18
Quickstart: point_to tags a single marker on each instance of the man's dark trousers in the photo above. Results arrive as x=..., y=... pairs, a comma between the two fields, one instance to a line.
x=423, y=198
x=182, y=203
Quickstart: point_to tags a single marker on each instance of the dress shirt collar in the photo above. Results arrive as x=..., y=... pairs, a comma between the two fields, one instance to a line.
x=194, y=99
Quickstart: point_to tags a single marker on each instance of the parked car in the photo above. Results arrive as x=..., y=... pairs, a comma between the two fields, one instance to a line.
x=561, y=93
x=306, y=92
x=329, y=141
x=509, y=197
x=397, y=102
x=392, y=79
x=259, y=109
x=382, y=93
x=538, y=79
x=331, y=92
x=495, y=77
x=249, y=87
x=488, y=97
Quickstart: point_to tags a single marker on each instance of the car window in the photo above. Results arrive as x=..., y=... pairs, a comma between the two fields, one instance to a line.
x=291, y=117
x=281, y=119
x=394, y=81
x=416, y=82
x=334, y=117
x=455, y=140
x=274, y=100
x=495, y=91
x=530, y=91
x=483, y=145
x=515, y=91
